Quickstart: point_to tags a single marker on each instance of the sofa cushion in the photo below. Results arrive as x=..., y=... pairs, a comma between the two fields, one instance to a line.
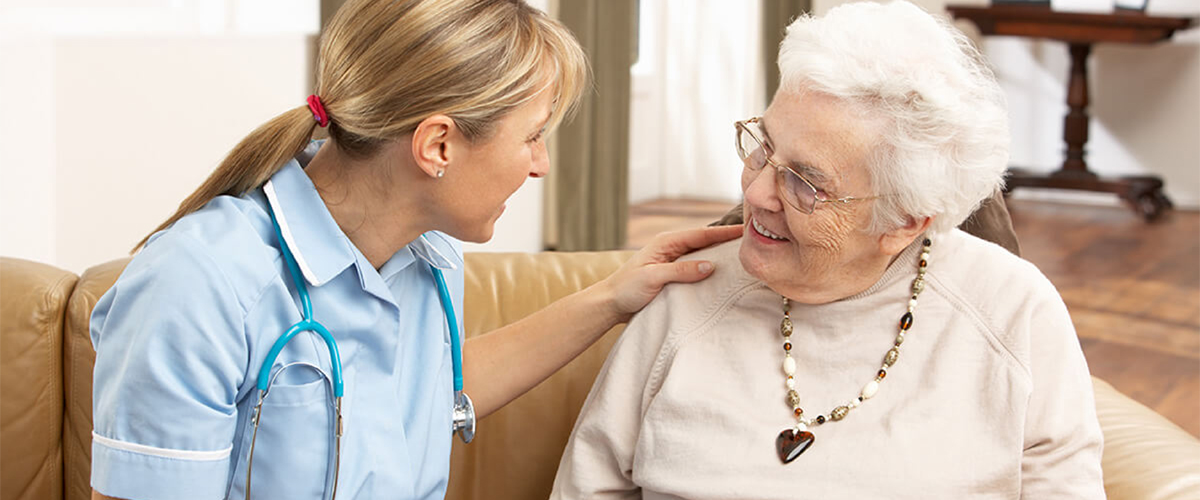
x=31, y=411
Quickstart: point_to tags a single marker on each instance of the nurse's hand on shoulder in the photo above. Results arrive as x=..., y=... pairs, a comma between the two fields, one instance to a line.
x=645, y=274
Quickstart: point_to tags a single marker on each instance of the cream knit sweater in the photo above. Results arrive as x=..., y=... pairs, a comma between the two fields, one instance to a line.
x=990, y=397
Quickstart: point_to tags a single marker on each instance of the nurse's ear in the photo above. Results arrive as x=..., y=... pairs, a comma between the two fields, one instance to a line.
x=431, y=144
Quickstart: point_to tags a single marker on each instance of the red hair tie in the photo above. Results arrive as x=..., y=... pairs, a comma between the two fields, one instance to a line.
x=318, y=111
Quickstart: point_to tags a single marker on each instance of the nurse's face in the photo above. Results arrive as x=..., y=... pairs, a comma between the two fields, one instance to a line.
x=493, y=168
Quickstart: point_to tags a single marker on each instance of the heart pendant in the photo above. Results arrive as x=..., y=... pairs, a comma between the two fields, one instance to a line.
x=790, y=444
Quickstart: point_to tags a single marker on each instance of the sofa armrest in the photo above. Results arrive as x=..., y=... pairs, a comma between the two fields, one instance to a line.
x=1146, y=457
x=34, y=298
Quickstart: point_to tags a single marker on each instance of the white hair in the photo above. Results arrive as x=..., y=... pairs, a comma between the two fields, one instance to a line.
x=943, y=146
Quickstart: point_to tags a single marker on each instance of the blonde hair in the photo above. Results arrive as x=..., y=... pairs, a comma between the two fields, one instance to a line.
x=384, y=66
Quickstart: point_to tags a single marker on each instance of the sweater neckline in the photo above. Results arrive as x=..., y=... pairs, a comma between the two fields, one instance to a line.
x=902, y=266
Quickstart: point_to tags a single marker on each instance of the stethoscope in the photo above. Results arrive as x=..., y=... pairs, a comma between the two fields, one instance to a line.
x=463, y=413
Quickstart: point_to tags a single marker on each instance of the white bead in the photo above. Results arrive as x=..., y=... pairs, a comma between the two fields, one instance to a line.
x=853, y=403
x=925, y=255
x=791, y=383
x=912, y=304
x=870, y=389
x=789, y=365
x=801, y=427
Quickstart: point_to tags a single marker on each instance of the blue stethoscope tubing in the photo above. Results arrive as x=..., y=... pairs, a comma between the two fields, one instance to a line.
x=463, y=412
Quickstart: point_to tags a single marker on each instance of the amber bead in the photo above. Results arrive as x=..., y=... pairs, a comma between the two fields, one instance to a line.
x=881, y=374
x=926, y=242
x=924, y=263
x=906, y=321
x=787, y=346
x=798, y=411
x=820, y=419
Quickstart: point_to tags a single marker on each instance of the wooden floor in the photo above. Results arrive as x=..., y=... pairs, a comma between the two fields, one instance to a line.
x=1133, y=288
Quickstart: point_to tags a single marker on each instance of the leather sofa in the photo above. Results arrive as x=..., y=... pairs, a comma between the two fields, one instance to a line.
x=46, y=362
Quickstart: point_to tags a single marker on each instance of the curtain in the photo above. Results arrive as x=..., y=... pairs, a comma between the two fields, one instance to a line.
x=590, y=192
x=708, y=75
x=776, y=16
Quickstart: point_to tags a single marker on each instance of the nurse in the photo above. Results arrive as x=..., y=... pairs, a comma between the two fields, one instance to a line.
x=437, y=111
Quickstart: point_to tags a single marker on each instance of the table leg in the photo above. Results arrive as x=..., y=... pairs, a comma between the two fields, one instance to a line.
x=1075, y=124
x=1142, y=193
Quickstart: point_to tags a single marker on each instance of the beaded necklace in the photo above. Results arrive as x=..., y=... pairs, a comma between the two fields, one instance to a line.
x=793, y=441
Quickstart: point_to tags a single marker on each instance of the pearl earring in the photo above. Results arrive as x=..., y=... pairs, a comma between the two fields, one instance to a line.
x=441, y=172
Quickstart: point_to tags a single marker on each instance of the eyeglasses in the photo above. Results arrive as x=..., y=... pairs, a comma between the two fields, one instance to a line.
x=793, y=187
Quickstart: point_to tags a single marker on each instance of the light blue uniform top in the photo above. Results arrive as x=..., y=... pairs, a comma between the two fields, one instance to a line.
x=181, y=335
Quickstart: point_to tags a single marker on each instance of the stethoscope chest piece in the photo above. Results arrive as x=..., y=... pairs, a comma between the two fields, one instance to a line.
x=464, y=417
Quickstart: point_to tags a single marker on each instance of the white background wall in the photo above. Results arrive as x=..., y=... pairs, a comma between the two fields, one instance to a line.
x=113, y=111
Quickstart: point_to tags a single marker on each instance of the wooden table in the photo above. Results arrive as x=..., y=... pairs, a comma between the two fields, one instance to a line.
x=1080, y=32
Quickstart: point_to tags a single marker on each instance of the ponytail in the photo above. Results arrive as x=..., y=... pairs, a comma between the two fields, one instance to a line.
x=251, y=163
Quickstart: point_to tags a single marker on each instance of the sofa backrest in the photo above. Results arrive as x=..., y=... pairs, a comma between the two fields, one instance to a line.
x=516, y=450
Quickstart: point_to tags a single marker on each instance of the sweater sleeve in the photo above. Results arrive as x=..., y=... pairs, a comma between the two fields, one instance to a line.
x=1063, y=441
x=598, y=460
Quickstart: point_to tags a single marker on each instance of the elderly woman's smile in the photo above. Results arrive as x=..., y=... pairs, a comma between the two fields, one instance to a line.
x=762, y=230
x=818, y=148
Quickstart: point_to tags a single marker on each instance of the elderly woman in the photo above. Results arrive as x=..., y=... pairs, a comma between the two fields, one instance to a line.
x=853, y=344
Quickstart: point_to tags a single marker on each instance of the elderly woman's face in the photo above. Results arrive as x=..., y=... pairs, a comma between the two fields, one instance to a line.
x=822, y=256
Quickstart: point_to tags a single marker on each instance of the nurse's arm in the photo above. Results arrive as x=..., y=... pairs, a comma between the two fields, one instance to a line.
x=97, y=496
x=503, y=364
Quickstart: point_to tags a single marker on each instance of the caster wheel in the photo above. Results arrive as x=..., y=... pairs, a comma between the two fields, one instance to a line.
x=1151, y=205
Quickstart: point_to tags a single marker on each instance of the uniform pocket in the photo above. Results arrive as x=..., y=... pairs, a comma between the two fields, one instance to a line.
x=293, y=451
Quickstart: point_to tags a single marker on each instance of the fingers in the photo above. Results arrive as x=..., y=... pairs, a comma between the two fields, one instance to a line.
x=681, y=272
x=680, y=242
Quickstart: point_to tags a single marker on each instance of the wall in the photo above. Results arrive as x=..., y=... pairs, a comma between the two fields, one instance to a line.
x=115, y=110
